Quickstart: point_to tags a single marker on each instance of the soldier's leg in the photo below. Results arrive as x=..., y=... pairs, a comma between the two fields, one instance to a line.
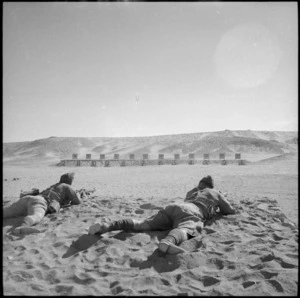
x=184, y=229
x=126, y=225
x=36, y=210
x=170, y=243
x=159, y=221
x=16, y=209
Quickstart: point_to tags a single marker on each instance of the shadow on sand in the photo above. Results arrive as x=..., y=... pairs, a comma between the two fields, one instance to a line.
x=159, y=261
x=82, y=243
x=11, y=223
x=153, y=234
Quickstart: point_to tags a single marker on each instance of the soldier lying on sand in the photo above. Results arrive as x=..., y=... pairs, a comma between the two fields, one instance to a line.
x=184, y=220
x=35, y=207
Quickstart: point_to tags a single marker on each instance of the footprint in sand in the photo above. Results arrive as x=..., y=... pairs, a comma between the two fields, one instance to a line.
x=20, y=248
x=267, y=274
x=116, y=288
x=34, y=251
x=84, y=280
x=146, y=206
x=37, y=287
x=64, y=290
x=276, y=237
x=58, y=244
x=209, y=281
x=44, y=266
x=287, y=265
x=248, y=284
x=275, y=284
x=216, y=262
x=209, y=231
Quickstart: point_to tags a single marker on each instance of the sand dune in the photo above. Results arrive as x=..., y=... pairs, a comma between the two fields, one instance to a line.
x=254, y=252
x=251, y=144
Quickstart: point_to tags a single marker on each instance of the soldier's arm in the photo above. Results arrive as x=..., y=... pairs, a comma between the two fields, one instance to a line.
x=191, y=193
x=224, y=205
x=72, y=196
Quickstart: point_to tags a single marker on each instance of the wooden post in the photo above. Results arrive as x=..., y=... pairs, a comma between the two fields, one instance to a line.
x=143, y=161
x=238, y=156
x=176, y=158
x=206, y=159
x=160, y=159
x=222, y=156
x=191, y=158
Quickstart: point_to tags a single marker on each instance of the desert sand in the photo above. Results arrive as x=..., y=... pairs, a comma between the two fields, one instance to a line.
x=251, y=253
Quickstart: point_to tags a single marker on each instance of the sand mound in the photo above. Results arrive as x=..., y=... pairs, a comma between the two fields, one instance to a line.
x=254, y=252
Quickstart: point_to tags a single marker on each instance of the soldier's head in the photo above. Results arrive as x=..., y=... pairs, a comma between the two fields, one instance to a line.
x=67, y=178
x=206, y=182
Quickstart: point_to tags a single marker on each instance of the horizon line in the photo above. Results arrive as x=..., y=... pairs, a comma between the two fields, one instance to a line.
x=165, y=135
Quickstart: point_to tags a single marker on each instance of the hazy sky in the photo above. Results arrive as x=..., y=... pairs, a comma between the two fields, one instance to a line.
x=88, y=69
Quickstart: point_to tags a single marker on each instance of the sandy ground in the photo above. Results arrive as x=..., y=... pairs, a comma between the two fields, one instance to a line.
x=254, y=252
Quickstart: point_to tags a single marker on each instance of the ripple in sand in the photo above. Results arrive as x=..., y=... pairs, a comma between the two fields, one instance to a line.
x=51, y=277
x=20, y=248
x=216, y=262
x=22, y=276
x=37, y=287
x=287, y=265
x=85, y=279
x=34, y=251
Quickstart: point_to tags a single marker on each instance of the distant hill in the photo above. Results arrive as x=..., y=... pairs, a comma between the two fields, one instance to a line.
x=252, y=144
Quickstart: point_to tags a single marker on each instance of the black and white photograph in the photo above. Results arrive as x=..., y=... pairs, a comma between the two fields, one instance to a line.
x=150, y=148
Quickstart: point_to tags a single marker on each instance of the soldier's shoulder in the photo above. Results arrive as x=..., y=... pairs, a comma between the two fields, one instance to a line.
x=211, y=190
x=63, y=185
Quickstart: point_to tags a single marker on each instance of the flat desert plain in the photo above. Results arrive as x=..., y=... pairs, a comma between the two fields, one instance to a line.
x=254, y=252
